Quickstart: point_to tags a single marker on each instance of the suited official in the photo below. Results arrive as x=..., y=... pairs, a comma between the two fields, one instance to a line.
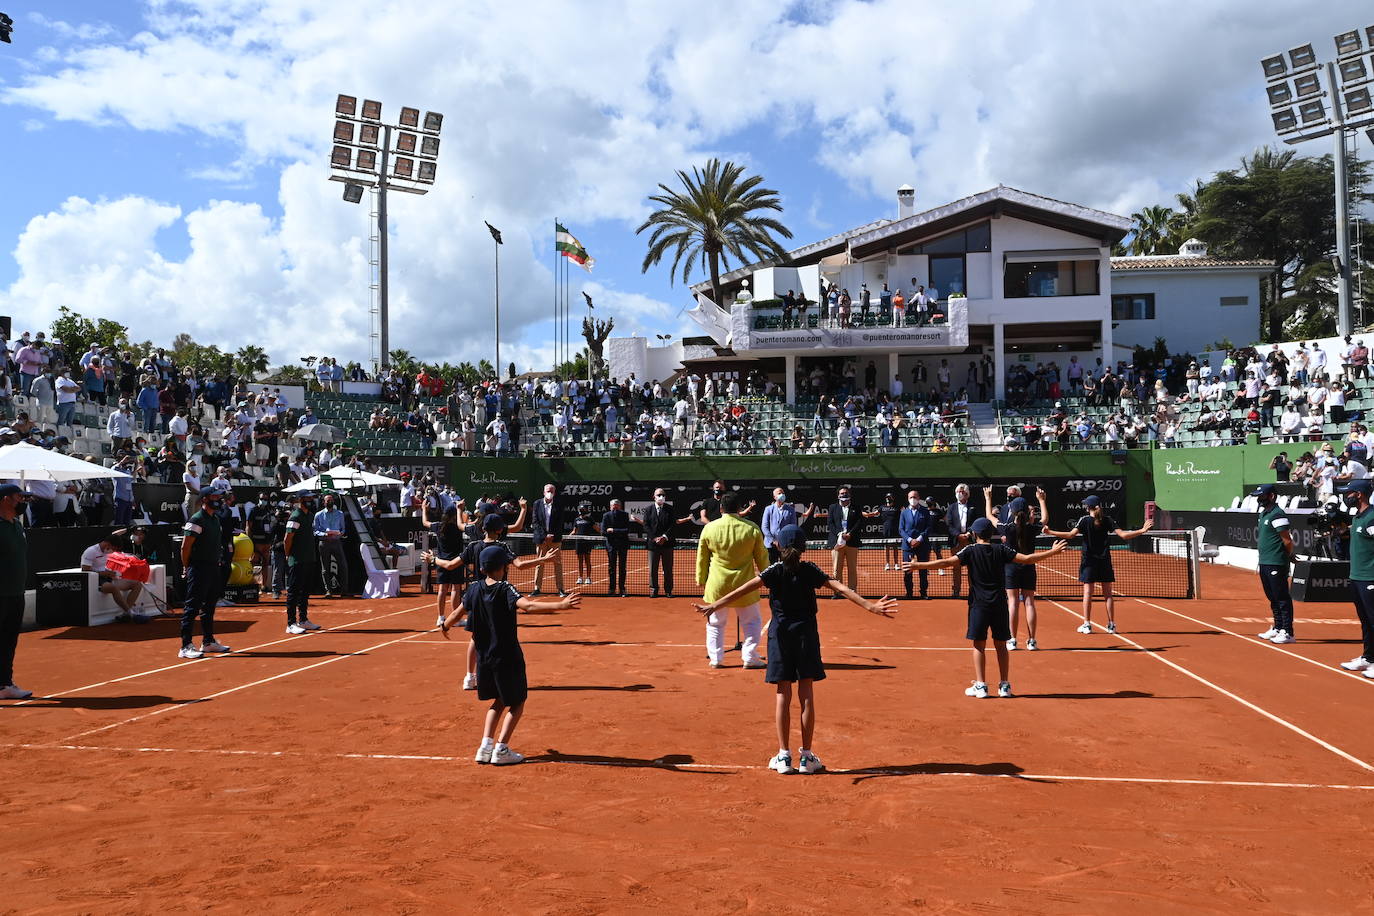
x=778, y=515
x=659, y=521
x=914, y=528
x=615, y=527
x=844, y=526
x=547, y=525
x=959, y=518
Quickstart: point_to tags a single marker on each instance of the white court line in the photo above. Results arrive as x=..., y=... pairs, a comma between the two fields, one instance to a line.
x=1241, y=700
x=866, y=771
x=266, y=680
x=240, y=652
x=1264, y=643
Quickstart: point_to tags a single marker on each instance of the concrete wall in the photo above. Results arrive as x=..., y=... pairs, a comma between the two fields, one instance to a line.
x=1188, y=310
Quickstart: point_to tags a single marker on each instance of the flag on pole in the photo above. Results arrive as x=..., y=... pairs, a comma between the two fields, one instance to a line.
x=589, y=300
x=495, y=233
x=569, y=247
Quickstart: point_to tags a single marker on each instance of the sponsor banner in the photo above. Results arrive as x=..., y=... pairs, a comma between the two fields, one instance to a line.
x=1321, y=580
x=1198, y=478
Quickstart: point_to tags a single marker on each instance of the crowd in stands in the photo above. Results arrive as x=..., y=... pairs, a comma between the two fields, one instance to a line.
x=917, y=306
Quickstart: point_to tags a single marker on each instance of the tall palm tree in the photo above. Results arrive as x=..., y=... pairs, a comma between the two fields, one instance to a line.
x=1152, y=231
x=716, y=216
x=251, y=360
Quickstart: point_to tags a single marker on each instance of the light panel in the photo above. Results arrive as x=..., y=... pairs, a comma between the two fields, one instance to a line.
x=353, y=192
x=368, y=134
x=1274, y=67
x=1300, y=57
x=405, y=168
x=1359, y=101
x=341, y=157
x=1307, y=85
x=343, y=131
x=1285, y=120
x=405, y=142
x=410, y=117
x=1352, y=70
x=427, y=172
x=1348, y=43
x=433, y=121
x=347, y=106
x=1312, y=112
x=372, y=111
x=429, y=146
x=1279, y=93
x=367, y=160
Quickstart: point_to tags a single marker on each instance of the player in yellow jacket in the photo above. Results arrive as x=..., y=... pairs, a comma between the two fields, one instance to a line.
x=730, y=552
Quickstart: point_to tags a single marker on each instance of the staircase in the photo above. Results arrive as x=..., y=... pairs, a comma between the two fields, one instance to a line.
x=984, y=432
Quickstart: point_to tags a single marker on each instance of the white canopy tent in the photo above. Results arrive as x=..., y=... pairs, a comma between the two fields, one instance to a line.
x=24, y=462
x=344, y=479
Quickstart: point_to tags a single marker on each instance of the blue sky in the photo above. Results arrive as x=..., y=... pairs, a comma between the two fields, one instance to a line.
x=172, y=154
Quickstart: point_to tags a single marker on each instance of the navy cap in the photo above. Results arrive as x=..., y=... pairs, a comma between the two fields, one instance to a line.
x=494, y=522
x=1017, y=505
x=1263, y=489
x=1365, y=486
x=790, y=536
x=493, y=558
x=10, y=489
x=1091, y=501
x=982, y=527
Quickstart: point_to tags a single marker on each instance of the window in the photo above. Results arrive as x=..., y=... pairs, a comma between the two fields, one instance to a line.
x=973, y=238
x=947, y=273
x=1133, y=307
x=1235, y=300
x=1050, y=278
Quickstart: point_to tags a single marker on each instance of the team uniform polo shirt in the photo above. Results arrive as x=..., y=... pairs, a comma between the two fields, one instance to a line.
x=1362, y=546
x=209, y=542
x=794, y=650
x=1096, y=540
x=301, y=524
x=985, y=564
x=14, y=559
x=1271, y=550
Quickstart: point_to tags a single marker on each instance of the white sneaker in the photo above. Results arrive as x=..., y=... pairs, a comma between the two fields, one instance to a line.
x=217, y=648
x=440, y=622
x=1032, y=645
x=469, y=682
x=295, y=629
x=1357, y=663
x=979, y=690
x=1283, y=638
x=1004, y=689
x=1369, y=672
x=225, y=602
x=809, y=764
x=309, y=625
x=1086, y=628
x=483, y=754
x=887, y=567
x=1011, y=644
x=1268, y=634
x=1111, y=627
x=14, y=692
x=782, y=763
x=189, y=652
x=505, y=757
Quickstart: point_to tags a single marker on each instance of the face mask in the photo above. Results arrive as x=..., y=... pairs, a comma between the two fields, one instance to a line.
x=844, y=500
x=779, y=497
x=548, y=497
x=912, y=503
x=717, y=492
x=1350, y=499
x=660, y=500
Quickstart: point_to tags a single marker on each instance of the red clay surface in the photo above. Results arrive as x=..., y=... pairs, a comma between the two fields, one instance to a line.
x=333, y=772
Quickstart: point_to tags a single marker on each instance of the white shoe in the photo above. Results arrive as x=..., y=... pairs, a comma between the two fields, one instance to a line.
x=1283, y=638
x=782, y=763
x=1357, y=663
x=225, y=602
x=809, y=764
x=1004, y=689
x=1369, y=672
x=1011, y=644
x=440, y=622
x=14, y=692
x=1111, y=627
x=979, y=690
x=189, y=652
x=887, y=567
x=1268, y=634
x=295, y=629
x=1032, y=645
x=505, y=757
x=309, y=625
x=1086, y=628
x=469, y=682
x=217, y=648
x=483, y=754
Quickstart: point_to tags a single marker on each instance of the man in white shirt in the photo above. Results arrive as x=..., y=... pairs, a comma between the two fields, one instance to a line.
x=179, y=426
x=67, y=390
x=896, y=389
x=191, y=481
x=125, y=592
x=1317, y=359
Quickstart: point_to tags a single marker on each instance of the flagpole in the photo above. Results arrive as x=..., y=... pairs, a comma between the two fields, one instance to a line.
x=496, y=246
x=557, y=342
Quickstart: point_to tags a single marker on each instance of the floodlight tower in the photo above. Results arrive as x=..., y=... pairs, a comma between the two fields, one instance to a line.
x=1297, y=107
x=364, y=156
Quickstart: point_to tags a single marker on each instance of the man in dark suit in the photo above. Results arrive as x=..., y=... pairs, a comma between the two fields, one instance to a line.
x=659, y=521
x=615, y=525
x=914, y=528
x=959, y=518
x=844, y=533
x=547, y=525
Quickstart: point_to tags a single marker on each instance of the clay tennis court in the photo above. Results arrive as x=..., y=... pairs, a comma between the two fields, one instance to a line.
x=1183, y=766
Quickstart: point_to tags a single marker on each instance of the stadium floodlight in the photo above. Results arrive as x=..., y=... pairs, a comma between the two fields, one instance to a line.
x=1312, y=112
x=1348, y=43
x=1358, y=101
x=1285, y=120
x=1309, y=84
x=1301, y=57
x=1274, y=67
x=369, y=153
x=1279, y=94
x=1352, y=70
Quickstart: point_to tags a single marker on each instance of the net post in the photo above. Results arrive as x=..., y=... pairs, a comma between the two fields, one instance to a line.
x=1194, y=563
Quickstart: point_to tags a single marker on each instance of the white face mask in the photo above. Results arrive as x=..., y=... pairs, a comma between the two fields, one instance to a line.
x=548, y=497
x=911, y=503
x=660, y=499
x=779, y=497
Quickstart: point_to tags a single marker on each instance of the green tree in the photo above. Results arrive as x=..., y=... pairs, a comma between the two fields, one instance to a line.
x=250, y=361
x=1154, y=231
x=1281, y=207
x=718, y=214
x=485, y=369
x=77, y=332
x=289, y=375
x=574, y=368
x=402, y=361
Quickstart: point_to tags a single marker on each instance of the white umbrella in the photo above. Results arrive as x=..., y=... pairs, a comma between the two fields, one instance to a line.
x=25, y=462
x=344, y=479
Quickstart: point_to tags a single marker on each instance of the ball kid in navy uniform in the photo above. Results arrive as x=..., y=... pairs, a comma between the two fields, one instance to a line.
x=794, y=642
x=490, y=605
x=987, y=602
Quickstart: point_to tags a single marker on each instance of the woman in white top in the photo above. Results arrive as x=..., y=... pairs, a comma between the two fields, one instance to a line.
x=1335, y=402
x=1316, y=399
x=1290, y=423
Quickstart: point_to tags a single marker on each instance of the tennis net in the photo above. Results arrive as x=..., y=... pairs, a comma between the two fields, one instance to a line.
x=1158, y=564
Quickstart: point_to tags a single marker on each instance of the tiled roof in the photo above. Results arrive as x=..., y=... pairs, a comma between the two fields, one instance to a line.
x=1156, y=261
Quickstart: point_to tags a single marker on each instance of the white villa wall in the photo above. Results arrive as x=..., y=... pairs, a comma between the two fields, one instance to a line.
x=1188, y=310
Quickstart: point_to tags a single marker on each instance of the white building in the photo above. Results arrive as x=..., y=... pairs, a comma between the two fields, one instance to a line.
x=1038, y=280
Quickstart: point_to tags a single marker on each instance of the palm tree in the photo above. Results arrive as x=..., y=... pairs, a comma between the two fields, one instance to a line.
x=715, y=217
x=251, y=361
x=485, y=369
x=1152, y=231
x=402, y=361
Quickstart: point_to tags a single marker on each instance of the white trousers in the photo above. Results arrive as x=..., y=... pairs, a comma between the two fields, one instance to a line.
x=751, y=625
